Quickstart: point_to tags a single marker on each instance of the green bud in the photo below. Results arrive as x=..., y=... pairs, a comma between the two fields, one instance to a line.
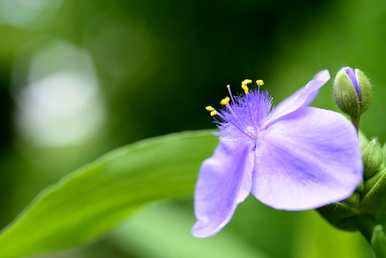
x=353, y=200
x=374, y=195
x=384, y=152
x=352, y=92
x=362, y=139
x=340, y=215
x=372, y=155
x=378, y=241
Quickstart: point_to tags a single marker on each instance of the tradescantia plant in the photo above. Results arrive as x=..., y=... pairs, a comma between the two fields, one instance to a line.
x=365, y=210
x=286, y=156
x=291, y=157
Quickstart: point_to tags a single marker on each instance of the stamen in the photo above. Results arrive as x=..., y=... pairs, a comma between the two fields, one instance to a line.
x=246, y=81
x=209, y=108
x=225, y=101
x=259, y=83
x=248, y=127
x=212, y=111
x=230, y=93
x=245, y=88
x=238, y=124
x=244, y=85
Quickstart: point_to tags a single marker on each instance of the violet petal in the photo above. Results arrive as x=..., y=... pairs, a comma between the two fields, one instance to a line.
x=307, y=160
x=300, y=98
x=225, y=180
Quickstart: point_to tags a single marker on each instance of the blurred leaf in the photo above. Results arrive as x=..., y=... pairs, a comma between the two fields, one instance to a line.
x=164, y=231
x=347, y=33
x=93, y=199
x=263, y=227
x=315, y=239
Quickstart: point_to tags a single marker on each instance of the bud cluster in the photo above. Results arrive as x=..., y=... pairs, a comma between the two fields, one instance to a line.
x=365, y=209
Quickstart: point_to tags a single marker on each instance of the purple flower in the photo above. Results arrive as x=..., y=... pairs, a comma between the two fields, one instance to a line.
x=292, y=157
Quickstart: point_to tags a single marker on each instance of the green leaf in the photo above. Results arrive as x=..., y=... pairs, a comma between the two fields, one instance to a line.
x=95, y=198
x=315, y=239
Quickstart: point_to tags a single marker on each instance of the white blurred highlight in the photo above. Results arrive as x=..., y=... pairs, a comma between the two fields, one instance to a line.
x=61, y=105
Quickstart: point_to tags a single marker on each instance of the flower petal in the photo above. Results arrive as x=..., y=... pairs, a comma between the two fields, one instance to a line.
x=351, y=74
x=300, y=98
x=225, y=180
x=307, y=160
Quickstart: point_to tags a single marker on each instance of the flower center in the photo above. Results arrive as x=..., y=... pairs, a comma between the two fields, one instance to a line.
x=251, y=131
x=242, y=116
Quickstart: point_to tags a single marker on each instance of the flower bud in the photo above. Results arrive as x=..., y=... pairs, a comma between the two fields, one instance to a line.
x=374, y=194
x=363, y=141
x=340, y=215
x=352, y=91
x=372, y=155
x=378, y=241
x=384, y=152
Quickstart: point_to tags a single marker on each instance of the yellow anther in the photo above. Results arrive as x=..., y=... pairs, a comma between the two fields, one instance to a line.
x=225, y=101
x=245, y=88
x=246, y=82
x=244, y=85
x=209, y=108
x=213, y=113
x=259, y=83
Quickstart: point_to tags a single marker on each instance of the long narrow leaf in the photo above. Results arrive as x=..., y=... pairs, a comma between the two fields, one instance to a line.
x=93, y=199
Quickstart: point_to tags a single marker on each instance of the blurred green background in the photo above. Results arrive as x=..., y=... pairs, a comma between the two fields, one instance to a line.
x=79, y=78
